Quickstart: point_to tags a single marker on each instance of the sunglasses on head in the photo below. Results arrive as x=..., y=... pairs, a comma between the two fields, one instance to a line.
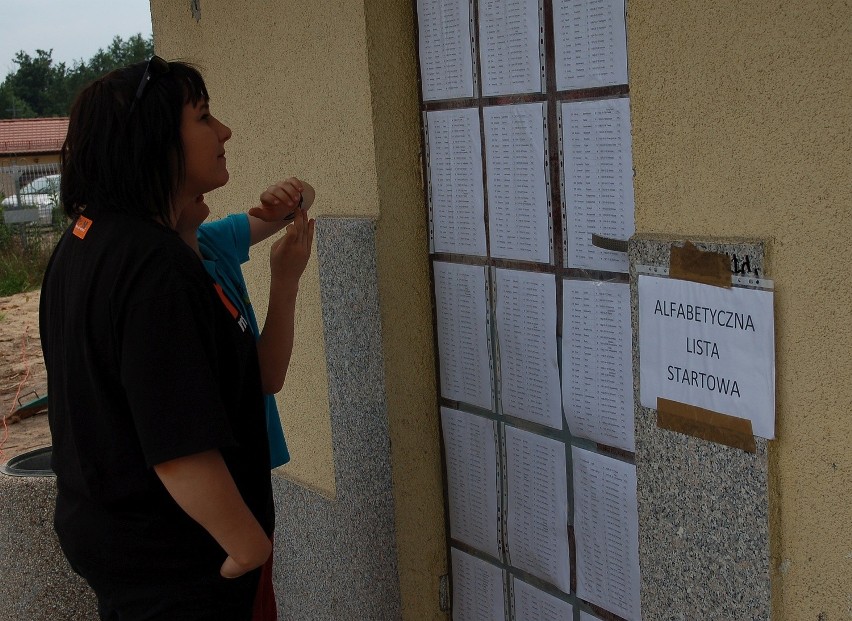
x=156, y=67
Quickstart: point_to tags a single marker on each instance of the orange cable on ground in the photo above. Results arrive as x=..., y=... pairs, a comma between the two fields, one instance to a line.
x=25, y=360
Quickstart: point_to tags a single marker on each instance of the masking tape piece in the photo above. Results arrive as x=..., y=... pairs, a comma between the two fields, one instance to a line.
x=708, y=268
x=608, y=243
x=705, y=424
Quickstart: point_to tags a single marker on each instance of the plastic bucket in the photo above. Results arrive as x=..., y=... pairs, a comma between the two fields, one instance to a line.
x=34, y=463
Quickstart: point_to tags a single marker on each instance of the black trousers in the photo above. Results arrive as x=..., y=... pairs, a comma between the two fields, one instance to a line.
x=192, y=598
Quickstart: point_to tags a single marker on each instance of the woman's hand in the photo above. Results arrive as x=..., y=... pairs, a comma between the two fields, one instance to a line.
x=202, y=486
x=279, y=201
x=290, y=253
x=232, y=568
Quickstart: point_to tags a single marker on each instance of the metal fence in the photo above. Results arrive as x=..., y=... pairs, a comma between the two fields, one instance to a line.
x=30, y=194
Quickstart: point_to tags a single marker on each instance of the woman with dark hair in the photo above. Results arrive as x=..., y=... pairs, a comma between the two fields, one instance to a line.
x=164, y=501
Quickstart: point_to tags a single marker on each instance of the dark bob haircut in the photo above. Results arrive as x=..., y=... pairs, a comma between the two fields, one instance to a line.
x=124, y=154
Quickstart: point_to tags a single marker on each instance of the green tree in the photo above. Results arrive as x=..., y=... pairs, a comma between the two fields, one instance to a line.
x=118, y=54
x=37, y=81
x=39, y=87
x=12, y=106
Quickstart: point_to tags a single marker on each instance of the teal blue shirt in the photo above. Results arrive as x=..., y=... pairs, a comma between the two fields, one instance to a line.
x=224, y=246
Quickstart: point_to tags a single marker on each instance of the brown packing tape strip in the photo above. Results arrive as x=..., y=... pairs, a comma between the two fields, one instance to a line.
x=709, y=268
x=705, y=424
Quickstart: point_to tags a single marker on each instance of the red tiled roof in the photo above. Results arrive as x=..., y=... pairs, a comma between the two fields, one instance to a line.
x=19, y=136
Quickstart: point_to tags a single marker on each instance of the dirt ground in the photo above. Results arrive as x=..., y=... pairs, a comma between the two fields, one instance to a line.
x=22, y=376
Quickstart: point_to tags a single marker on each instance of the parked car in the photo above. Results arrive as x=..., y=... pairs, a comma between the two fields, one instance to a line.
x=38, y=200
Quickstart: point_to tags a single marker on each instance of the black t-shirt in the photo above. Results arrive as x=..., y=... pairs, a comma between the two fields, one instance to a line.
x=145, y=364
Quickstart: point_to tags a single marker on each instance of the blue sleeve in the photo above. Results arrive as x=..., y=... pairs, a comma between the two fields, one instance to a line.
x=229, y=237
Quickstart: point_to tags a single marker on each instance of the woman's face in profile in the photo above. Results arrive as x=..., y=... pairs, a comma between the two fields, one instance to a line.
x=203, y=137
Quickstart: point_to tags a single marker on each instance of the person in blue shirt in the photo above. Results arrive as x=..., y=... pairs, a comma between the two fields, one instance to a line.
x=223, y=246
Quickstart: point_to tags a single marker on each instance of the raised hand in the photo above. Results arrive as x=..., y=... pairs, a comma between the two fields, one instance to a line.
x=290, y=253
x=279, y=201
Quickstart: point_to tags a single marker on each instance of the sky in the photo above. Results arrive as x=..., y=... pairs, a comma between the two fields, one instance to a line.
x=74, y=29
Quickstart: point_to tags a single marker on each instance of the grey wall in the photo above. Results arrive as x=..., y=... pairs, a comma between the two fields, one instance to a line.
x=36, y=582
x=336, y=559
x=703, y=507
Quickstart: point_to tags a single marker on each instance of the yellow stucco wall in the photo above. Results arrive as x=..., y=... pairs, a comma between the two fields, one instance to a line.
x=29, y=160
x=405, y=293
x=741, y=127
x=328, y=91
x=294, y=110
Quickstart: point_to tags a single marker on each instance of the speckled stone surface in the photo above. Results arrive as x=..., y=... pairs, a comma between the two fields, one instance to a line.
x=36, y=583
x=336, y=559
x=703, y=507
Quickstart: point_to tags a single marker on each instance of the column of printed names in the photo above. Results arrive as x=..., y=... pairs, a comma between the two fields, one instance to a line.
x=446, y=59
x=598, y=181
x=456, y=199
x=478, y=589
x=590, y=43
x=606, y=529
x=464, y=343
x=537, y=506
x=470, y=445
x=526, y=337
x=510, y=46
x=518, y=201
x=532, y=604
x=508, y=501
x=597, y=374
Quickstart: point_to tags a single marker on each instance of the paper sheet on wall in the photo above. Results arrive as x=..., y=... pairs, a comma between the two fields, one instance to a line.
x=598, y=181
x=446, y=60
x=710, y=347
x=478, y=590
x=456, y=196
x=526, y=338
x=606, y=531
x=532, y=604
x=590, y=43
x=585, y=616
x=537, y=507
x=597, y=362
x=470, y=445
x=518, y=192
x=510, y=46
x=464, y=341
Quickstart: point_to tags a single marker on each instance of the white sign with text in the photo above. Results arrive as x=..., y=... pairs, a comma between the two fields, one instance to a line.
x=709, y=347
